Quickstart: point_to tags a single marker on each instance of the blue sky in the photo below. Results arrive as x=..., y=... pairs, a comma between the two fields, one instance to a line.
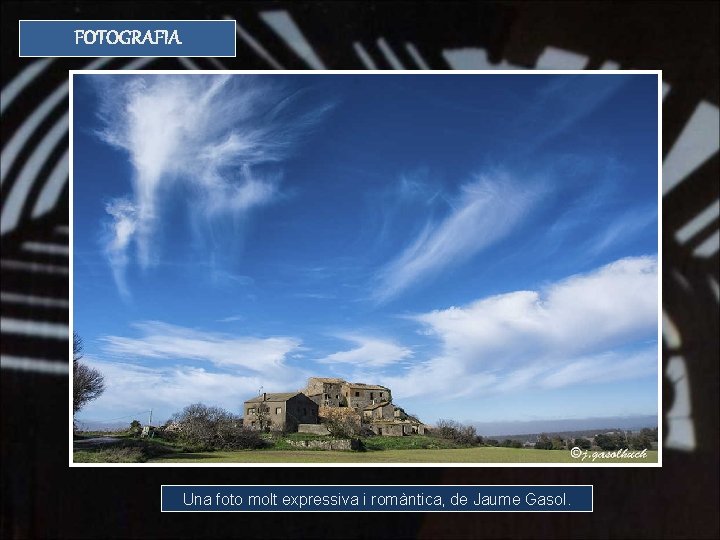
x=484, y=245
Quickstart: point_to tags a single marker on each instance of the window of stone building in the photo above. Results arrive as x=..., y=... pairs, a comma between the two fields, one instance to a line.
x=381, y=394
x=357, y=394
x=372, y=395
x=278, y=410
x=251, y=411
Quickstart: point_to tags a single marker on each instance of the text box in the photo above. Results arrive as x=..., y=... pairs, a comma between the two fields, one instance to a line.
x=127, y=38
x=194, y=498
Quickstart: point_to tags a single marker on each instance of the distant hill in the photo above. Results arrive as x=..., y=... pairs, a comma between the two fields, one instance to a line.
x=581, y=426
x=98, y=425
x=532, y=437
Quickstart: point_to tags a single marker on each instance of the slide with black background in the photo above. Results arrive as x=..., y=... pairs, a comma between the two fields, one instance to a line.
x=331, y=354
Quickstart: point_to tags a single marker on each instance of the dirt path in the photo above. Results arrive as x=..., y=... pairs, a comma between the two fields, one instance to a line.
x=79, y=444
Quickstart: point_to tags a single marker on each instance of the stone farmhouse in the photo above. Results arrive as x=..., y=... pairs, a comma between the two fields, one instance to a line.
x=329, y=392
x=303, y=411
x=279, y=412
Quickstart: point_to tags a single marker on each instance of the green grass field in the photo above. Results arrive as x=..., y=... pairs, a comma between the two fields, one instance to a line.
x=456, y=455
x=416, y=449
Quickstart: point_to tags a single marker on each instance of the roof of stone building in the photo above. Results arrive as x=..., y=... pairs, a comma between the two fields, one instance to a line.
x=372, y=407
x=328, y=379
x=282, y=396
x=367, y=386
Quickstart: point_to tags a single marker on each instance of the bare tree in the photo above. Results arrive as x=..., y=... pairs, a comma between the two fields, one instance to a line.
x=262, y=414
x=213, y=428
x=455, y=431
x=88, y=383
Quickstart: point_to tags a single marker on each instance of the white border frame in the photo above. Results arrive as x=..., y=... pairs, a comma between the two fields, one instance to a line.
x=311, y=73
x=591, y=486
x=234, y=55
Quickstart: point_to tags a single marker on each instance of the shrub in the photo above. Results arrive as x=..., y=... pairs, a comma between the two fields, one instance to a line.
x=583, y=443
x=510, y=443
x=640, y=442
x=342, y=423
x=456, y=432
x=610, y=441
x=213, y=428
x=558, y=443
x=167, y=434
x=651, y=434
x=544, y=443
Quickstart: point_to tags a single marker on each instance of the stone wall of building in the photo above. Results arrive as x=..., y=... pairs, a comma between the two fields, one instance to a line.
x=300, y=410
x=396, y=429
x=383, y=412
x=391, y=430
x=387, y=411
x=360, y=396
x=281, y=412
x=315, y=429
x=339, y=444
x=326, y=391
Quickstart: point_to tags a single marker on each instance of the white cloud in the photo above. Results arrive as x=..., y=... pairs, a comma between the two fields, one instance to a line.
x=165, y=341
x=232, y=318
x=120, y=232
x=207, y=132
x=486, y=210
x=369, y=353
x=603, y=368
x=131, y=388
x=576, y=330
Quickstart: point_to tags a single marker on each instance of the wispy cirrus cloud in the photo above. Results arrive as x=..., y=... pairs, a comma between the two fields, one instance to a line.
x=232, y=318
x=124, y=226
x=591, y=328
x=160, y=340
x=569, y=100
x=208, y=133
x=315, y=295
x=486, y=210
x=624, y=228
x=369, y=352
